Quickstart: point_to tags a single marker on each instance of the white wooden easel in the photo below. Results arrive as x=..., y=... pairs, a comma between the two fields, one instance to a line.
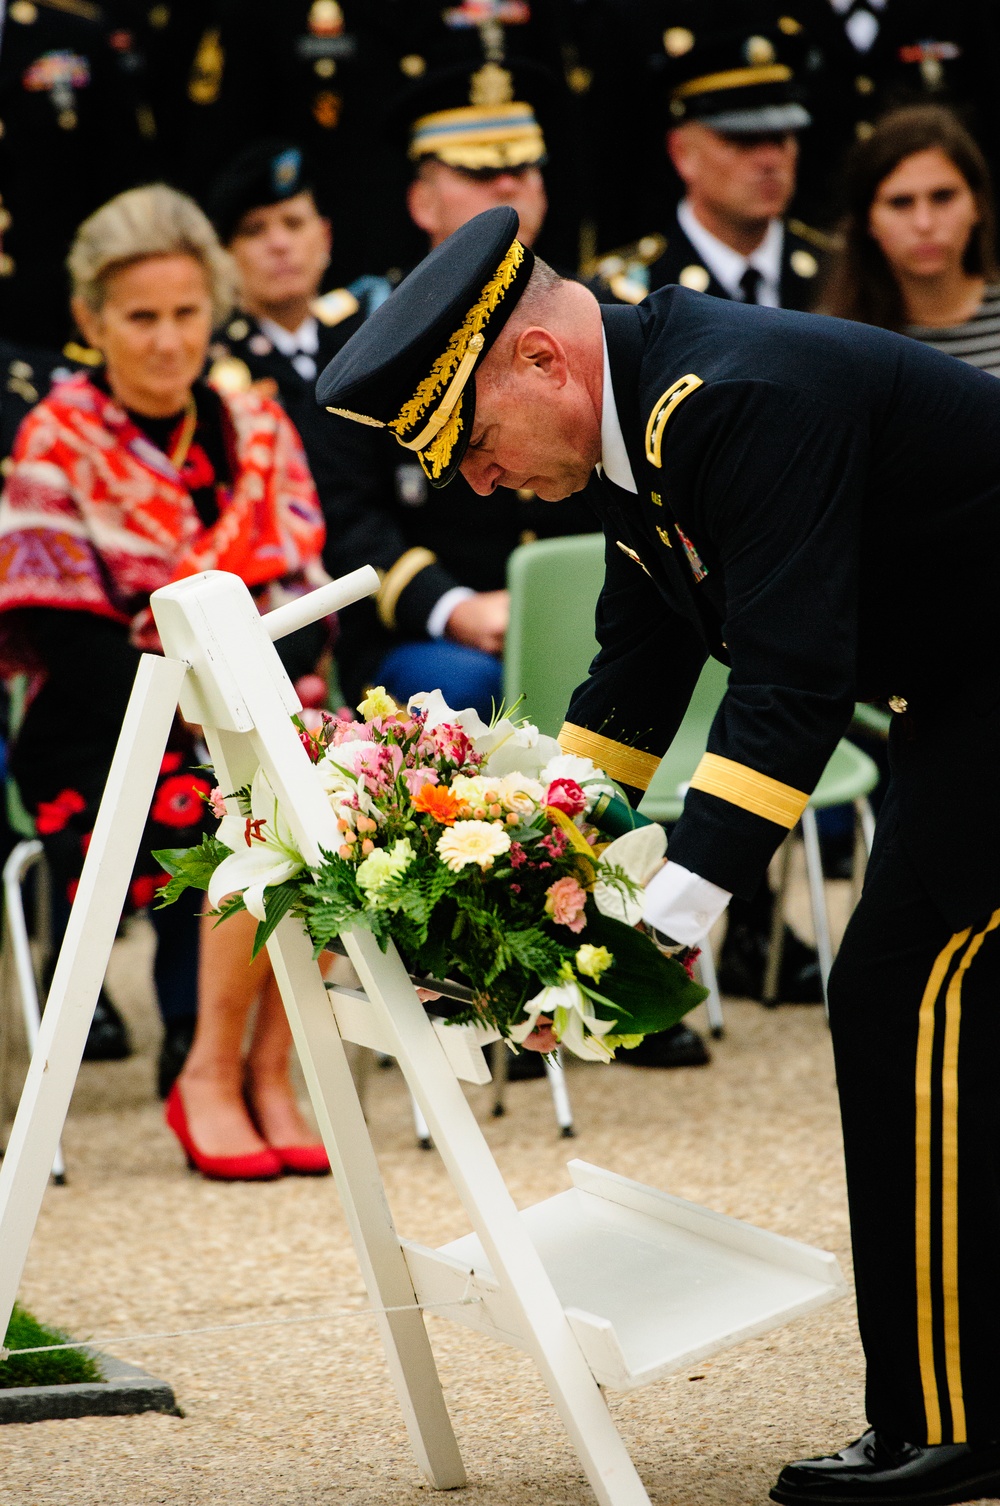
x=607, y=1284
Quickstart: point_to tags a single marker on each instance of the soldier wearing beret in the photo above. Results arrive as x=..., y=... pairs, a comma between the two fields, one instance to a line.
x=732, y=111
x=778, y=492
x=264, y=209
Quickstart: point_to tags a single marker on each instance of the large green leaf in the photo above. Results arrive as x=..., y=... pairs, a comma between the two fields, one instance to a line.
x=644, y=991
x=189, y=867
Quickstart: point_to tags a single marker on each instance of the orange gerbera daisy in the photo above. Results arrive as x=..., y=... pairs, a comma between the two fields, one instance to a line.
x=437, y=801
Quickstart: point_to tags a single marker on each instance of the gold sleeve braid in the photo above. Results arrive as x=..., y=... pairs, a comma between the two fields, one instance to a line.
x=396, y=580
x=627, y=765
x=750, y=790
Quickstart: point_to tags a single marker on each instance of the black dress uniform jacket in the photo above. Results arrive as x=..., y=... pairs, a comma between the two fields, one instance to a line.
x=680, y=262
x=819, y=506
x=242, y=354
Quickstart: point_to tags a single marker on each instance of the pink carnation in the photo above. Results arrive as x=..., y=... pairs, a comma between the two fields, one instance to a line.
x=218, y=803
x=565, y=901
x=566, y=796
x=451, y=742
x=555, y=843
x=415, y=779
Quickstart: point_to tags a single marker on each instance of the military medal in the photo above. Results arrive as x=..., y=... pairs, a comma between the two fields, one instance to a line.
x=59, y=74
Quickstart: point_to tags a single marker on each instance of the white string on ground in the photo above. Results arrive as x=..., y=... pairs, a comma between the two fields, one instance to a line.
x=466, y=1300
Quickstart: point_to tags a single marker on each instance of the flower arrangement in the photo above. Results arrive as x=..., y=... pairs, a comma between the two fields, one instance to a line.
x=469, y=847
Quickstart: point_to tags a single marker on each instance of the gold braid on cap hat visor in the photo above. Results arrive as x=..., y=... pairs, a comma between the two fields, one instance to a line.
x=450, y=373
x=734, y=78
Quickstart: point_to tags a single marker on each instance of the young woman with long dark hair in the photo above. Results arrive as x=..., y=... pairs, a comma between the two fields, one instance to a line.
x=918, y=238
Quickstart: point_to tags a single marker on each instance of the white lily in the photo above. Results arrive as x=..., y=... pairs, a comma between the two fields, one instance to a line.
x=507, y=747
x=574, y=1026
x=263, y=851
x=638, y=854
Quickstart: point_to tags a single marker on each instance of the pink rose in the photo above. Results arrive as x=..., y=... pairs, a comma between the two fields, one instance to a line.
x=565, y=901
x=217, y=802
x=566, y=796
x=415, y=779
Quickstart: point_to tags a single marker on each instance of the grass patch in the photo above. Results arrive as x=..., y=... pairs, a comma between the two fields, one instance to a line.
x=64, y=1367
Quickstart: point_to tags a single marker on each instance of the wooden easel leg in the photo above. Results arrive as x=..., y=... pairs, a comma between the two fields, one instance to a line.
x=513, y=1257
x=83, y=959
x=345, y=1134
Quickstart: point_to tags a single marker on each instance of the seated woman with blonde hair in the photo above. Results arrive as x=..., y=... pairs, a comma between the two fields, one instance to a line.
x=122, y=480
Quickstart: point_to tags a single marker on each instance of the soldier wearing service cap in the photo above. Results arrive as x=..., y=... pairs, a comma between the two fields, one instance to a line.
x=727, y=76
x=778, y=491
x=467, y=123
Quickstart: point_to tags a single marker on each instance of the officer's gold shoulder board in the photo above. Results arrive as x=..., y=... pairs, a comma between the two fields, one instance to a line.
x=662, y=409
x=333, y=308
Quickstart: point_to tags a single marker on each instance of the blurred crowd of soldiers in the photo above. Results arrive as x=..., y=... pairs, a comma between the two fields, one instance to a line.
x=98, y=97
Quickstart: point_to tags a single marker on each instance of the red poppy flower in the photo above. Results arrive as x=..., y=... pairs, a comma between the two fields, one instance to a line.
x=180, y=800
x=54, y=815
x=143, y=887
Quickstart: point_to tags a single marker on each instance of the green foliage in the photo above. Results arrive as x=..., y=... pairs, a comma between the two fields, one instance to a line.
x=189, y=867
x=642, y=990
x=64, y=1367
x=277, y=903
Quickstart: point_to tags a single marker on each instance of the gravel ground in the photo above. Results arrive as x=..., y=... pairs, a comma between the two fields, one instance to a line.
x=304, y=1414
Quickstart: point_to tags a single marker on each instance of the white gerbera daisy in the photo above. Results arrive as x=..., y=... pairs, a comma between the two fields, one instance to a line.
x=470, y=842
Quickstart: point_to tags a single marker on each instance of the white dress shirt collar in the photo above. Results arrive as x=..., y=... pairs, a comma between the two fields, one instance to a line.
x=728, y=266
x=291, y=342
x=614, y=456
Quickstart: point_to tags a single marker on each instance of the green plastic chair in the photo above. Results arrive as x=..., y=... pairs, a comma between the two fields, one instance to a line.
x=554, y=586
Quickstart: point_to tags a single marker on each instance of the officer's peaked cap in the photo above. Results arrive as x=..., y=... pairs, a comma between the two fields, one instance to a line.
x=411, y=366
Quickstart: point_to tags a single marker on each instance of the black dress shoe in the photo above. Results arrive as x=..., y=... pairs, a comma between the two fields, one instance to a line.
x=677, y=1047
x=108, y=1039
x=174, y=1048
x=876, y=1471
x=743, y=960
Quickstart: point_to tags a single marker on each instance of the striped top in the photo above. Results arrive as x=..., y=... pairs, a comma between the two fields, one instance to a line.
x=977, y=341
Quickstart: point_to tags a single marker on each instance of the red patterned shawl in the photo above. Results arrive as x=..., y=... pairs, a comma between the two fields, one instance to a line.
x=95, y=518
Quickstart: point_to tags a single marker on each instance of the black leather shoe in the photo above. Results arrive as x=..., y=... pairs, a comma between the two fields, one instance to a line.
x=174, y=1048
x=875, y=1471
x=677, y=1047
x=743, y=960
x=108, y=1039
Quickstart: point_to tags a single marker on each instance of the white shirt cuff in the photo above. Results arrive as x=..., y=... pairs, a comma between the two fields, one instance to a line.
x=682, y=905
x=443, y=608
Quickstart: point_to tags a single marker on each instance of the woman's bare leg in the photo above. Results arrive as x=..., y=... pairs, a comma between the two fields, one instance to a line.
x=211, y=1083
x=269, y=1085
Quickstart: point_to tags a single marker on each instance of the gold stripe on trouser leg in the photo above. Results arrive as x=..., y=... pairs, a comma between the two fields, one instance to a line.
x=949, y=1181
x=925, y=1309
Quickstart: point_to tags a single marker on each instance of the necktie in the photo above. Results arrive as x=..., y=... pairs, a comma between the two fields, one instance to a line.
x=750, y=285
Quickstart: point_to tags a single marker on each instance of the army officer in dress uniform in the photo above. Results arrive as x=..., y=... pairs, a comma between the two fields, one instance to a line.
x=732, y=112
x=264, y=210
x=468, y=125
x=815, y=503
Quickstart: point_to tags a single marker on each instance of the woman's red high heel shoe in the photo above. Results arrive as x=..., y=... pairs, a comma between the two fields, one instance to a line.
x=261, y=1166
x=304, y=1160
